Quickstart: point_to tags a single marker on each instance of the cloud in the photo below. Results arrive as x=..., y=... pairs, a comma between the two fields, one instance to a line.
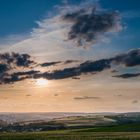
x=10, y=62
x=95, y=66
x=127, y=75
x=76, y=78
x=59, y=74
x=84, y=68
x=134, y=101
x=90, y=24
x=8, y=79
x=119, y=95
x=86, y=98
x=3, y=68
x=17, y=76
x=50, y=38
x=28, y=95
x=31, y=72
x=49, y=64
x=76, y=25
x=129, y=59
x=46, y=64
x=16, y=60
x=70, y=61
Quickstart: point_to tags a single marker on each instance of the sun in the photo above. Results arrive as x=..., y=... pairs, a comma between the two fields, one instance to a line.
x=42, y=82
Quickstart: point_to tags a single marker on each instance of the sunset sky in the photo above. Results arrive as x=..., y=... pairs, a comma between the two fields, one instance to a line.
x=69, y=56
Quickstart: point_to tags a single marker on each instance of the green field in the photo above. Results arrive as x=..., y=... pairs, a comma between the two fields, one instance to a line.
x=84, y=134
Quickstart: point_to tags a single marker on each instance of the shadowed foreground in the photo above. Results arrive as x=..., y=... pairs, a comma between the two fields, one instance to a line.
x=71, y=135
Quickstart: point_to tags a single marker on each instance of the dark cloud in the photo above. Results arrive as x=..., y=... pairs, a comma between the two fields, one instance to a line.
x=10, y=62
x=89, y=24
x=94, y=66
x=84, y=68
x=46, y=64
x=23, y=60
x=9, y=79
x=127, y=75
x=59, y=74
x=70, y=61
x=129, y=59
x=73, y=72
x=31, y=72
x=76, y=78
x=16, y=59
x=3, y=68
x=18, y=76
x=86, y=98
x=49, y=64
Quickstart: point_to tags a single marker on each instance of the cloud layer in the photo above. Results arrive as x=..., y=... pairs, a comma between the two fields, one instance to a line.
x=17, y=67
x=129, y=59
x=83, y=68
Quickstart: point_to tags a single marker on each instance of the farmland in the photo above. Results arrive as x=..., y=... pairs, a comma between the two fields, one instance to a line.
x=71, y=135
x=79, y=127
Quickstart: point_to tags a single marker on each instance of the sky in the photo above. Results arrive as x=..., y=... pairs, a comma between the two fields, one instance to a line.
x=69, y=56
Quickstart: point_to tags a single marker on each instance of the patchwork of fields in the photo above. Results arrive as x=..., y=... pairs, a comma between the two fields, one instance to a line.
x=88, y=127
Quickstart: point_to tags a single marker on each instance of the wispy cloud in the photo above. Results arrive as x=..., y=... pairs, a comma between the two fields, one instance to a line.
x=131, y=14
x=50, y=40
x=127, y=75
x=49, y=64
x=87, y=98
x=134, y=101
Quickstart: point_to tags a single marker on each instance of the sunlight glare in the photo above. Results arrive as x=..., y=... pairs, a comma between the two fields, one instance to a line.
x=42, y=82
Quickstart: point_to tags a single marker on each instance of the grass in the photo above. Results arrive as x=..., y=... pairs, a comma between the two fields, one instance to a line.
x=71, y=135
x=116, y=132
x=114, y=128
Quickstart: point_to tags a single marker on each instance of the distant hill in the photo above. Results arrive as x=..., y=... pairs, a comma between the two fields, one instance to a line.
x=23, y=117
x=18, y=122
